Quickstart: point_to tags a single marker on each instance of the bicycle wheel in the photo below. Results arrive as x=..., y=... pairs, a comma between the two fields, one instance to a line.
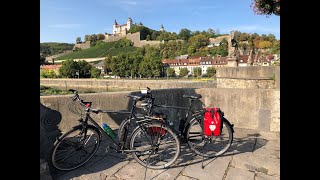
x=121, y=131
x=156, y=146
x=75, y=148
x=210, y=146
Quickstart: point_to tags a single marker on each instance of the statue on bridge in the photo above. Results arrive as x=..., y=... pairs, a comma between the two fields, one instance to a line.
x=233, y=52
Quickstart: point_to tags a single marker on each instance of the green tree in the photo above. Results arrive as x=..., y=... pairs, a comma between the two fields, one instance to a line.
x=69, y=68
x=100, y=37
x=148, y=37
x=275, y=49
x=183, y=72
x=191, y=49
x=84, y=69
x=42, y=59
x=199, y=41
x=271, y=38
x=211, y=71
x=184, y=34
x=95, y=72
x=197, y=71
x=107, y=64
x=154, y=35
x=210, y=33
x=171, y=72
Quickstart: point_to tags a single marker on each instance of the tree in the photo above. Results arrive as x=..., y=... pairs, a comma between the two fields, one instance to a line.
x=153, y=35
x=210, y=33
x=266, y=7
x=95, y=72
x=100, y=37
x=199, y=41
x=271, y=38
x=171, y=72
x=191, y=49
x=69, y=68
x=107, y=64
x=197, y=71
x=84, y=69
x=148, y=37
x=42, y=59
x=183, y=72
x=94, y=37
x=78, y=40
x=211, y=71
x=184, y=34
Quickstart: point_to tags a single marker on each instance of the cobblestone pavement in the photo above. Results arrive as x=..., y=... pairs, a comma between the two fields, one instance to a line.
x=253, y=156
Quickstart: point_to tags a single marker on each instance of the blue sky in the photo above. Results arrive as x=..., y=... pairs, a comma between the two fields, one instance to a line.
x=65, y=20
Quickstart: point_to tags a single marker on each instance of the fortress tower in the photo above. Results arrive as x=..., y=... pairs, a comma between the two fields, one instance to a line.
x=123, y=28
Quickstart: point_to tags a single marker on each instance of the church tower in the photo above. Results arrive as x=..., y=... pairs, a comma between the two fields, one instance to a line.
x=115, y=27
x=162, y=28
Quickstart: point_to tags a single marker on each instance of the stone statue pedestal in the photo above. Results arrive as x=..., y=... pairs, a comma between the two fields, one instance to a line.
x=232, y=62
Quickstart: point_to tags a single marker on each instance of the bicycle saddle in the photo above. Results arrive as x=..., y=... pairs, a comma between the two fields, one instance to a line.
x=137, y=97
x=195, y=96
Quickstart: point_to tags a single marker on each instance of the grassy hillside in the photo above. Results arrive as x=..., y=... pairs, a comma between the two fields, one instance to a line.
x=52, y=48
x=102, y=49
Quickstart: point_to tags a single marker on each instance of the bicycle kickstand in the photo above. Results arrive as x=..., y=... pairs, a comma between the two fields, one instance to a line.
x=205, y=143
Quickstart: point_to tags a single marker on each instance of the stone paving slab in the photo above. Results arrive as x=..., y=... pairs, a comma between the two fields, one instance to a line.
x=214, y=170
x=239, y=174
x=256, y=163
x=262, y=176
x=253, y=155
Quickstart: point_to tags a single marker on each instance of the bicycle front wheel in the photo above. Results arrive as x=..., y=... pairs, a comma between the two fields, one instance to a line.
x=209, y=146
x=75, y=148
x=156, y=146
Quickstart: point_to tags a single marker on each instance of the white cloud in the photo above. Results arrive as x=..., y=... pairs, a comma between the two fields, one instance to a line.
x=65, y=26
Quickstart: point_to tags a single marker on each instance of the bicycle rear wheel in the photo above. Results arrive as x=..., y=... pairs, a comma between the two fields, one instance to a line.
x=209, y=146
x=157, y=146
x=75, y=148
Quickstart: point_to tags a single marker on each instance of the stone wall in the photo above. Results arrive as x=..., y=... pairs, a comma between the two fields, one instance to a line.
x=124, y=84
x=245, y=108
x=84, y=45
x=134, y=37
x=267, y=77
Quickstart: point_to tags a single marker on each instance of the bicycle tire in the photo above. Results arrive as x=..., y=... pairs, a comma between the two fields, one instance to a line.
x=64, y=141
x=166, y=132
x=216, y=148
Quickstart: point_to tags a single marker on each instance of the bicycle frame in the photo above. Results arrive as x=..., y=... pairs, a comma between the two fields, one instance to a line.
x=119, y=145
x=185, y=121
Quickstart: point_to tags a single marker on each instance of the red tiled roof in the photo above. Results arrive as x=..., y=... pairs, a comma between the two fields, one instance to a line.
x=243, y=58
x=51, y=66
x=220, y=61
x=270, y=57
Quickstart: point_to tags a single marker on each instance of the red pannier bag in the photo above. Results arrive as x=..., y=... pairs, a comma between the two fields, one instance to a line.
x=156, y=130
x=212, y=124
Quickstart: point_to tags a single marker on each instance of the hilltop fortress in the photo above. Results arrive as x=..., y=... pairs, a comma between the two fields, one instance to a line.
x=119, y=32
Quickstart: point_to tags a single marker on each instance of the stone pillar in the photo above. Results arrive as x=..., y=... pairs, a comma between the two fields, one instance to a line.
x=233, y=53
x=232, y=62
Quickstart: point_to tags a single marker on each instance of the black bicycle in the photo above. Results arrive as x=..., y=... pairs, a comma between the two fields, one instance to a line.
x=191, y=127
x=152, y=144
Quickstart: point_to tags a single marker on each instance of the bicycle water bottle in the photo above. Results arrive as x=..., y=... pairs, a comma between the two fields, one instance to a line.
x=108, y=130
